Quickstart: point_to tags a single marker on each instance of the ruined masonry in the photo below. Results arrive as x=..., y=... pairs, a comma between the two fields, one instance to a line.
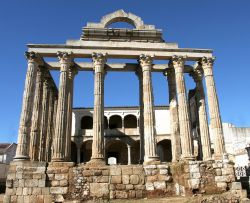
x=43, y=169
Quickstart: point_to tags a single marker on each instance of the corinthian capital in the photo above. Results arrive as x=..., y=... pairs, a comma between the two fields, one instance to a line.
x=207, y=62
x=99, y=59
x=145, y=60
x=32, y=56
x=177, y=61
x=65, y=57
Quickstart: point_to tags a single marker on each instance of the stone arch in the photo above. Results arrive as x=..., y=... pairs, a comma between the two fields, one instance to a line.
x=115, y=122
x=87, y=122
x=164, y=150
x=118, y=149
x=130, y=121
x=121, y=16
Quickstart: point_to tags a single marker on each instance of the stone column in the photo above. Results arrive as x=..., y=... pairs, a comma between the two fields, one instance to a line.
x=62, y=108
x=44, y=119
x=174, y=119
x=71, y=75
x=141, y=120
x=201, y=103
x=177, y=63
x=22, y=151
x=129, y=154
x=36, y=116
x=49, y=124
x=150, y=156
x=99, y=61
x=54, y=122
x=213, y=105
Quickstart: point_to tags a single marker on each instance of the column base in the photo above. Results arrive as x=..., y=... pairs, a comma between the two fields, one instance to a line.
x=188, y=158
x=58, y=160
x=21, y=158
x=151, y=160
x=96, y=162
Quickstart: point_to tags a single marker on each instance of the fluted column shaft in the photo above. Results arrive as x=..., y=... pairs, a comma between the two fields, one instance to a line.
x=213, y=105
x=141, y=120
x=44, y=119
x=184, y=118
x=36, y=116
x=49, y=125
x=174, y=119
x=148, y=111
x=71, y=75
x=99, y=61
x=22, y=151
x=202, y=112
x=62, y=108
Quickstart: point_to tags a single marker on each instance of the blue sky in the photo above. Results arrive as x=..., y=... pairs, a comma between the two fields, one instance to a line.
x=223, y=26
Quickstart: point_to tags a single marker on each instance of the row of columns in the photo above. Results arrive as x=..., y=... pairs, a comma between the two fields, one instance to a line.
x=44, y=104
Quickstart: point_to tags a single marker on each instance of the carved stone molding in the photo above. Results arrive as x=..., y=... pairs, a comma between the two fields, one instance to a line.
x=99, y=61
x=65, y=57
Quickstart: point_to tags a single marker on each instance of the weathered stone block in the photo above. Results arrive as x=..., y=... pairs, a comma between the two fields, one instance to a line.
x=131, y=194
x=218, y=172
x=37, y=175
x=120, y=186
x=97, y=172
x=222, y=185
x=63, y=183
x=101, y=179
x=194, y=183
x=134, y=179
x=105, y=172
x=139, y=187
x=138, y=170
x=54, y=183
x=236, y=186
x=9, y=183
x=20, y=199
x=11, y=176
x=152, y=178
x=195, y=175
x=125, y=179
x=45, y=191
x=31, y=183
x=58, y=190
x=149, y=186
x=220, y=178
x=36, y=191
x=163, y=171
x=19, y=191
x=129, y=187
x=139, y=194
x=86, y=173
x=41, y=183
x=127, y=171
x=160, y=185
x=99, y=189
x=115, y=171
x=194, y=168
x=116, y=179
x=13, y=198
x=61, y=176
x=27, y=191
x=121, y=194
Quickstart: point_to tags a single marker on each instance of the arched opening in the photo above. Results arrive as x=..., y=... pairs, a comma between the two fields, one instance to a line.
x=164, y=150
x=135, y=152
x=130, y=121
x=87, y=122
x=86, y=151
x=106, y=122
x=118, y=150
x=73, y=152
x=115, y=122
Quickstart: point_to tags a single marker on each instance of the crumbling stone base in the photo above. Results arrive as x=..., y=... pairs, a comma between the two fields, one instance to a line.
x=60, y=182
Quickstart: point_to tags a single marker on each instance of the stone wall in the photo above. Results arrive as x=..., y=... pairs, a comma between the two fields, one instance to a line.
x=56, y=182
